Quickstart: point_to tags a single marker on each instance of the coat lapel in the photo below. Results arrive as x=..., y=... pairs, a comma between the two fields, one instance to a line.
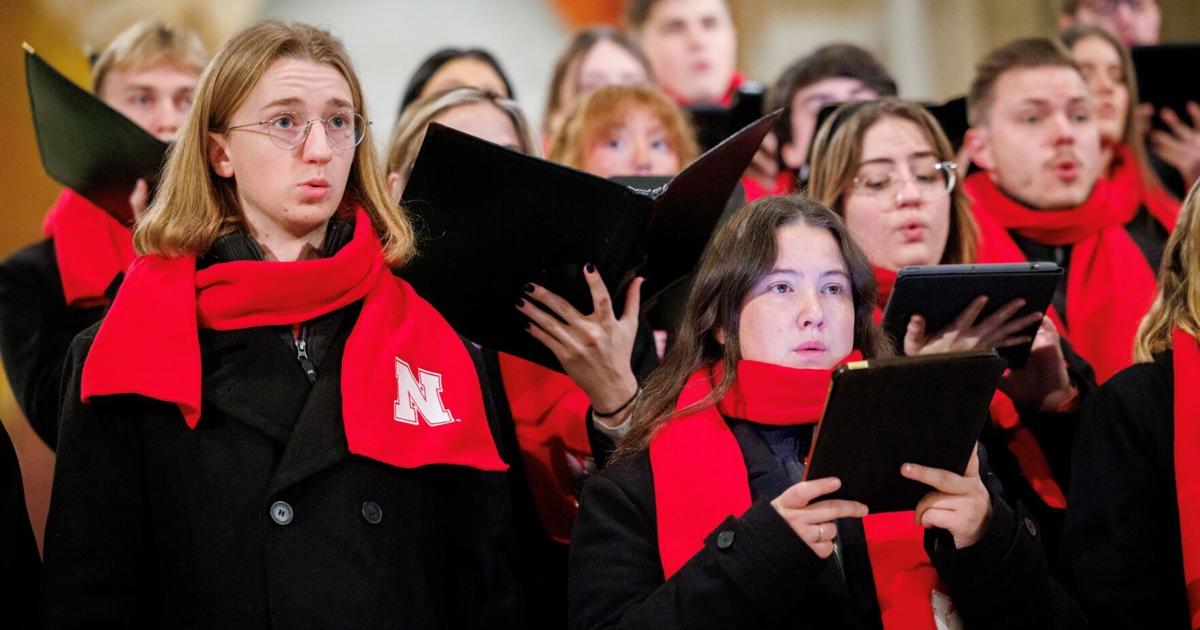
x=235, y=363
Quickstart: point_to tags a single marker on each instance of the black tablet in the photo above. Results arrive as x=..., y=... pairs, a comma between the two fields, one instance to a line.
x=941, y=292
x=883, y=413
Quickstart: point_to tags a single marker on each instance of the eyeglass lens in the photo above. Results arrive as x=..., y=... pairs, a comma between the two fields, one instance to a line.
x=930, y=176
x=344, y=130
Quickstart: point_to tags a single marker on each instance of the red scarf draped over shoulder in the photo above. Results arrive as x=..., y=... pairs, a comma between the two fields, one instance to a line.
x=1110, y=286
x=410, y=393
x=700, y=478
x=549, y=412
x=90, y=246
x=1186, y=361
x=1004, y=415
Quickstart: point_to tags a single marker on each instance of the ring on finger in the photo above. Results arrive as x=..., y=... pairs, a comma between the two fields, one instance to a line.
x=820, y=533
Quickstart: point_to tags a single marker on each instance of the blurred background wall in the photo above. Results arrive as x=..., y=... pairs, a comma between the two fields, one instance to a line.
x=930, y=46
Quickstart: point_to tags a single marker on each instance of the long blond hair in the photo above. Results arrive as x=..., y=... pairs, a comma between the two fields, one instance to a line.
x=1177, y=302
x=194, y=205
x=409, y=132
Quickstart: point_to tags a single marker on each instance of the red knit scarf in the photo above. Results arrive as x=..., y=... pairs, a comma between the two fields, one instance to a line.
x=549, y=412
x=1021, y=442
x=700, y=478
x=1187, y=465
x=90, y=246
x=410, y=393
x=1109, y=284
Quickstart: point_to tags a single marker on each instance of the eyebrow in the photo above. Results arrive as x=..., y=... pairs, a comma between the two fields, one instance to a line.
x=792, y=272
x=884, y=160
x=294, y=100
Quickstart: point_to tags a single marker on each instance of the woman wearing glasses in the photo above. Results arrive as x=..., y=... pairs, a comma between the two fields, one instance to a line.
x=887, y=168
x=270, y=429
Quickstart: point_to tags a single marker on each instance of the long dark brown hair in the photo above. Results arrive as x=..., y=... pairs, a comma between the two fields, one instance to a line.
x=741, y=253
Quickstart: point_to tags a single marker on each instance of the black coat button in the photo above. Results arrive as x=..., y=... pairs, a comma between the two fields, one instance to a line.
x=1031, y=526
x=372, y=513
x=724, y=539
x=281, y=513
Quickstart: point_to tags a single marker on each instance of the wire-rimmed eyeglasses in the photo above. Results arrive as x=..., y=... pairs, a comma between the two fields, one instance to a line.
x=932, y=179
x=288, y=130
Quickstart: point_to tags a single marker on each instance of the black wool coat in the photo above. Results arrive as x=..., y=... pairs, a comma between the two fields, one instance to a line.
x=260, y=516
x=755, y=572
x=20, y=564
x=36, y=329
x=1121, y=543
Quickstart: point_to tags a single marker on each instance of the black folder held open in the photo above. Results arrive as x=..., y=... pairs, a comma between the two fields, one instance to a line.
x=86, y=145
x=883, y=413
x=490, y=219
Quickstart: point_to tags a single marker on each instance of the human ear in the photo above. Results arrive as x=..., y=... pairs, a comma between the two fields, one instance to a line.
x=218, y=155
x=395, y=187
x=978, y=146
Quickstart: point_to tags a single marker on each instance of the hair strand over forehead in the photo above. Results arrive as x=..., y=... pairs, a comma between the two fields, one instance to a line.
x=194, y=205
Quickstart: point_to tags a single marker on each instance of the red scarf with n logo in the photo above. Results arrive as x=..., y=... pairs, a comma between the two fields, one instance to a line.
x=410, y=393
x=700, y=478
x=1186, y=358
x=1109, y=283
x=90, y=246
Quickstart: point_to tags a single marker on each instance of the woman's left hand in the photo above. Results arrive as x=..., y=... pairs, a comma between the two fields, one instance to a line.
x=959, y=504
x=594, y=349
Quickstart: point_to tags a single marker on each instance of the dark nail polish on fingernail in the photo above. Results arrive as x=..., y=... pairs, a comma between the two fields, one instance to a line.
x=529, y=287
x=520, y=302
x=590, y=268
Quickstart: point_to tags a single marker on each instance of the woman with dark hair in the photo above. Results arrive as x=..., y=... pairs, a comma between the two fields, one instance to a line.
x=887, y=168
x=701, y=520
x=449, y=68
x=596, y=57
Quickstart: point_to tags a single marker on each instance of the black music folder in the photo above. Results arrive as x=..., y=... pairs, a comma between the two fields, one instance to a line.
x=713, y=123
x=1163, y=81
x=490, y=219
x=86, y=145
x=882, y=413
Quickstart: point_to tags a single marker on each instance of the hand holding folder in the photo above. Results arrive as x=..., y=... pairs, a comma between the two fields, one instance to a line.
x=490, y=220
x=86, y=145
x=883, y=413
